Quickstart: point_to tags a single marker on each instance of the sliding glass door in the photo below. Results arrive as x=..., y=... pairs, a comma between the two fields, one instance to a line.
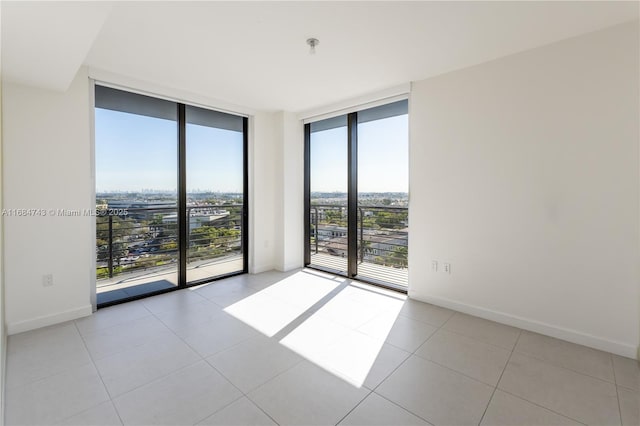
x=356, y=195
x=383, y=188
x=171, y=191
x=328, y=169
x=215, y=193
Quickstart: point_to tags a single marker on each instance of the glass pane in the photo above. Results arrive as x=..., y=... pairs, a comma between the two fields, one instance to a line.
x=215, y=181
x=136, y=181
x=383, y=186
x=328, y=152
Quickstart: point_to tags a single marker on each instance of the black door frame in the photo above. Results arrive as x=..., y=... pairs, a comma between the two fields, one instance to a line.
x=352, y=197
x=352, y=206
x=183, y=231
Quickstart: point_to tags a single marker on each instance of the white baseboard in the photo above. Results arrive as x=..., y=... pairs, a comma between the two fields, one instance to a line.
x=44, y=321
x=257, y=269
x=569, y=335
x=290, y=267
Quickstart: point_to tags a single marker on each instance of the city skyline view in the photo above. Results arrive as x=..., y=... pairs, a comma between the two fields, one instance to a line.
x=383, y=157
x=138, y=154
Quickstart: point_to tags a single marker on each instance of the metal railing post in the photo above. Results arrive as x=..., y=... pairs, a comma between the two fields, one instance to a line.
x=188, y=237
x=110, y=264
x=241, y=227
x=316, y=228
x=361, y=234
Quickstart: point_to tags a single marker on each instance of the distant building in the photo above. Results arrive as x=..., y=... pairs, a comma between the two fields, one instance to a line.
x=331, y=231
x=142, y=210
x=375, y=244
x=198, y=218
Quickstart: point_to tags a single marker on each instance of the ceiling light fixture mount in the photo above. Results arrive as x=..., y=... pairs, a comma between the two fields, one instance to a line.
x=312, y=42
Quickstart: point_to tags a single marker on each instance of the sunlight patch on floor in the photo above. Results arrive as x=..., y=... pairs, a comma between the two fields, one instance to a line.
x=272, y=309
x=304, y=288
x=264, y=313
x=318, y=314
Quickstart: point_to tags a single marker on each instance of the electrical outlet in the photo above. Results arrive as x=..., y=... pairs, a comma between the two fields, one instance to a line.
x=446, y=267
x=434, y=266
x=47, y=280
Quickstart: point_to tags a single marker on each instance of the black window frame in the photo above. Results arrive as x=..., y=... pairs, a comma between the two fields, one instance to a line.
x=352, y=193
x=183, y=231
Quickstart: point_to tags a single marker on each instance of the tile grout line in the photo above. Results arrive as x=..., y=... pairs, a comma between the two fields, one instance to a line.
x=373, y=390
x=396, y=368
x=458, y=372
x=354, y=329
x=246, y=395
x=219, y=372
x=517, y=352
x=137, y=346
x=355, y=406
x=99, y=375
x=431, y=335
x=243, y=394
x=157, y=379
x=457, y=333
x=260, y=408
x=219, y=409
x=111, y=398
x=120, y=350
x=93, y=361
x=520, y=397
x=615, y=384
x=47, y=376
x=202, y=357
x=307, y=360
x=400, y=365
x=542, y=406
x=500, y=378
x=400, y=406
x=551, y=362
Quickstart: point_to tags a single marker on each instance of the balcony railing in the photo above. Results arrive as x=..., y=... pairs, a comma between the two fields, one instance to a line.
x=145, y=239
x=382, y=241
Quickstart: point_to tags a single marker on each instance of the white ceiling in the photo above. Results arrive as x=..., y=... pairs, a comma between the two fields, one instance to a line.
x=254, y=53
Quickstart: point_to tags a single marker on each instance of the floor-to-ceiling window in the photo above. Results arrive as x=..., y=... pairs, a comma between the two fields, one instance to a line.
x=171, y=191
x=356, y=194
x=328, y=170
x=215, y=193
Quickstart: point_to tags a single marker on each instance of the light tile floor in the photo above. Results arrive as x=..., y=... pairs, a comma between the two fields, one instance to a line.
x=307, y=348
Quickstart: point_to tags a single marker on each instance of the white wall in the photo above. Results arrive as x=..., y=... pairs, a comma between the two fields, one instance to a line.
x=291, y=186
x=47, y=150
x=3, y=332
x=47, y=166
x=263, y=163
x=524, y=175
x=277, y=161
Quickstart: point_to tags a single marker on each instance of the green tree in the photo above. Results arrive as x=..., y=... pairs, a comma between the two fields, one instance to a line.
x=391, y=220
x=399, y=257
x=333, y=216
x=205, y=236
x=172, y=245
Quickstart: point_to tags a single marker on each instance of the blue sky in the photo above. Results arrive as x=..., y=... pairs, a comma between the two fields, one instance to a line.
x=383, y=157
x=136, y=152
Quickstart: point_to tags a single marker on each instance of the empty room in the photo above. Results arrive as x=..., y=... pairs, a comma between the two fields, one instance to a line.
x=320, y=213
